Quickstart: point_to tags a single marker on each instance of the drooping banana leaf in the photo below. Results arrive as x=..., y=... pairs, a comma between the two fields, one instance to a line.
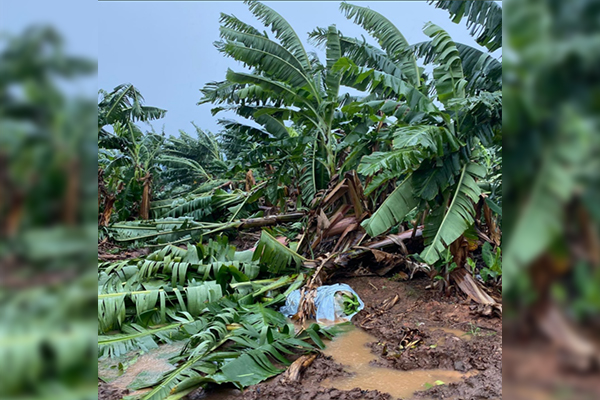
x=445, y=224
x=393, y=210
x=276, y=256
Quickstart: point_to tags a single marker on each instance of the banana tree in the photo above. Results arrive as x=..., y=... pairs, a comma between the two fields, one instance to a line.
x=123, y=104
x=484, y=19
x=127, y=171
x=397, y=59
x=191, y=162
x=434, y=144
x=286, y=85
x=127, y=160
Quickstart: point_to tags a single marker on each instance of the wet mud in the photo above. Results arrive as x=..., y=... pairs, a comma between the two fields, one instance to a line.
x=310, y=386
x=352, y=350
x=443, y=340
x=136, y=371
x=453, y=336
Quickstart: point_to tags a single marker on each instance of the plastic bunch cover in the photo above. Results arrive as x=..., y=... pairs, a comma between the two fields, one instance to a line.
x=328, y=307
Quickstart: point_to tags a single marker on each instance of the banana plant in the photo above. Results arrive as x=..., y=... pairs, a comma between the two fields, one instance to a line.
x=183, y=279
x=484, y=19
x=128, y=170
x=123, y=104
x=129, y=157
x=191, y=161
x=432, y=151
x=286, y=86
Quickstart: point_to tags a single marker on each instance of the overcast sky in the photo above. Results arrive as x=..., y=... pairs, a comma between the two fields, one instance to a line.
x=166, y=48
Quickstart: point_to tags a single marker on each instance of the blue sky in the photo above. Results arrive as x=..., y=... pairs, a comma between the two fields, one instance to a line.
x=166, y=48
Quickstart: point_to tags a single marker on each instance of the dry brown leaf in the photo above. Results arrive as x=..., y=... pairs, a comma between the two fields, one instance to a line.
x=470, y=287
x=322, y=221
x=250, y=181
x=495, y=234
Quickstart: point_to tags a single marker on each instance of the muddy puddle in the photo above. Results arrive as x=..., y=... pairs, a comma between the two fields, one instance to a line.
x=350, y=350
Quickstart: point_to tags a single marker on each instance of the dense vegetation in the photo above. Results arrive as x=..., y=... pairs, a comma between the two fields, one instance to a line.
x=325, y=178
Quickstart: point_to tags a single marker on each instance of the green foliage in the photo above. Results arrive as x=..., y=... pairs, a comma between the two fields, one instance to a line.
x=433, y=144
x=122, y=105
x=493, y=262
x=428, y=385
x=587, y=300
x=481, y=70
x=249, y=358
x=389, y=37
x=436, y=153
x=284, y=86
x=349, y=303
x=214, y=206
x=444, y=225
x=274, y=255
x=127, y=157
x=472, y=265
x=443, y=265
x=136, y=337
x=448, y=73
x=209, y=297
x=393, y=210
x=484, y=18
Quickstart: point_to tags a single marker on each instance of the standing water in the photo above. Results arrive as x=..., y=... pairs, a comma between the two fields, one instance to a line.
x=350, y=350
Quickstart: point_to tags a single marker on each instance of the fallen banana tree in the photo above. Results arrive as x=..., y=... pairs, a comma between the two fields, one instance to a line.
x=183, y=229
x=209, y=206
x=216, y=299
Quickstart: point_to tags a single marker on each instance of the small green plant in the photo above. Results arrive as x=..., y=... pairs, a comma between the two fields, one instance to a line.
x=493, y=261
x=472, y=265
x=436, y=383
x=444, y=266
x=474, y=330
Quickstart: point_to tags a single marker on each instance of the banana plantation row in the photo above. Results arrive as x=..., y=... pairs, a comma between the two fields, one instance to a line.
x=408, y=173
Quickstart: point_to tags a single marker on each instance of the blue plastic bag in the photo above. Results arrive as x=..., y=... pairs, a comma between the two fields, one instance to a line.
x=328, y=308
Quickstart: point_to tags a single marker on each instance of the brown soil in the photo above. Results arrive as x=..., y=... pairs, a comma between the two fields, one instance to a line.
x=106, y=391
x=420, y=313
x=308, y=388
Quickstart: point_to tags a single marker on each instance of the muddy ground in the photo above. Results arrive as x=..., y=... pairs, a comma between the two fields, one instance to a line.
x=110, y=392
x=424, y=311
x=414, y=321
x=418, y=314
